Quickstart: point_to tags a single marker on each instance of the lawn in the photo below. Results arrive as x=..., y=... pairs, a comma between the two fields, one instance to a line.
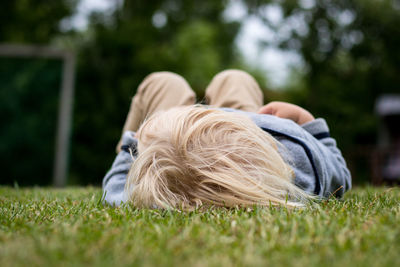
x=70, y=227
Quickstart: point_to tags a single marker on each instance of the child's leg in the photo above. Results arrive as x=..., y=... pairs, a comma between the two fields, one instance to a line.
x=234, y=89
x=158, y=91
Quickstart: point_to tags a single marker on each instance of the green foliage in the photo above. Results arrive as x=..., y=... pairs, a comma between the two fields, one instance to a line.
x=29, y=98
x=350, y=49
x=29, y=91
x=32, y=21
x=48, y=227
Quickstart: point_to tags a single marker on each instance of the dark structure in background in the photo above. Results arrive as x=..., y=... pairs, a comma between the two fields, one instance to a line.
x=36, y=115
x=386, y=160
x=30, y=90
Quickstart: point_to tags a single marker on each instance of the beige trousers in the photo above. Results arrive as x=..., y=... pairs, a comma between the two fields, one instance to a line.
x=163, y=90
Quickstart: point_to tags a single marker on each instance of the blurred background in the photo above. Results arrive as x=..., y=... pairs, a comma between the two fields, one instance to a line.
x=340, y=59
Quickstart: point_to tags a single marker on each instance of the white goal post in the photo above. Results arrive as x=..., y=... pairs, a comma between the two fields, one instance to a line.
x=66, y=100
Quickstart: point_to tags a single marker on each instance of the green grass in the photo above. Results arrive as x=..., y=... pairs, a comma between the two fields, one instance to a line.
x=50, y=227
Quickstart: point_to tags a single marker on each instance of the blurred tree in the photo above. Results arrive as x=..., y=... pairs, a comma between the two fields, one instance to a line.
x=187, y=37
x=350, y=49
x=33, y=21
x=29, y=95
x=29, y=90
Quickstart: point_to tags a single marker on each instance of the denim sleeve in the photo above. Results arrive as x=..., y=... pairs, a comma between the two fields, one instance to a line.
x=337, y=178
x=115, y=179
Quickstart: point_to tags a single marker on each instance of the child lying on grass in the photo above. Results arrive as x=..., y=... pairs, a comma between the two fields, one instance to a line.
x=174, y=154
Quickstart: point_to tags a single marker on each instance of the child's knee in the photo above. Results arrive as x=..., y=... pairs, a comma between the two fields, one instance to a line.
x=233, y=74
x=165, y=76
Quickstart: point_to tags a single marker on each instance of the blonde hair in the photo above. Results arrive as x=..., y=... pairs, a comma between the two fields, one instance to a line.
x=194, y=156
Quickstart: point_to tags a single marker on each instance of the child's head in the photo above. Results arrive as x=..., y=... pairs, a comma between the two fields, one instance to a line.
x=190, y=156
